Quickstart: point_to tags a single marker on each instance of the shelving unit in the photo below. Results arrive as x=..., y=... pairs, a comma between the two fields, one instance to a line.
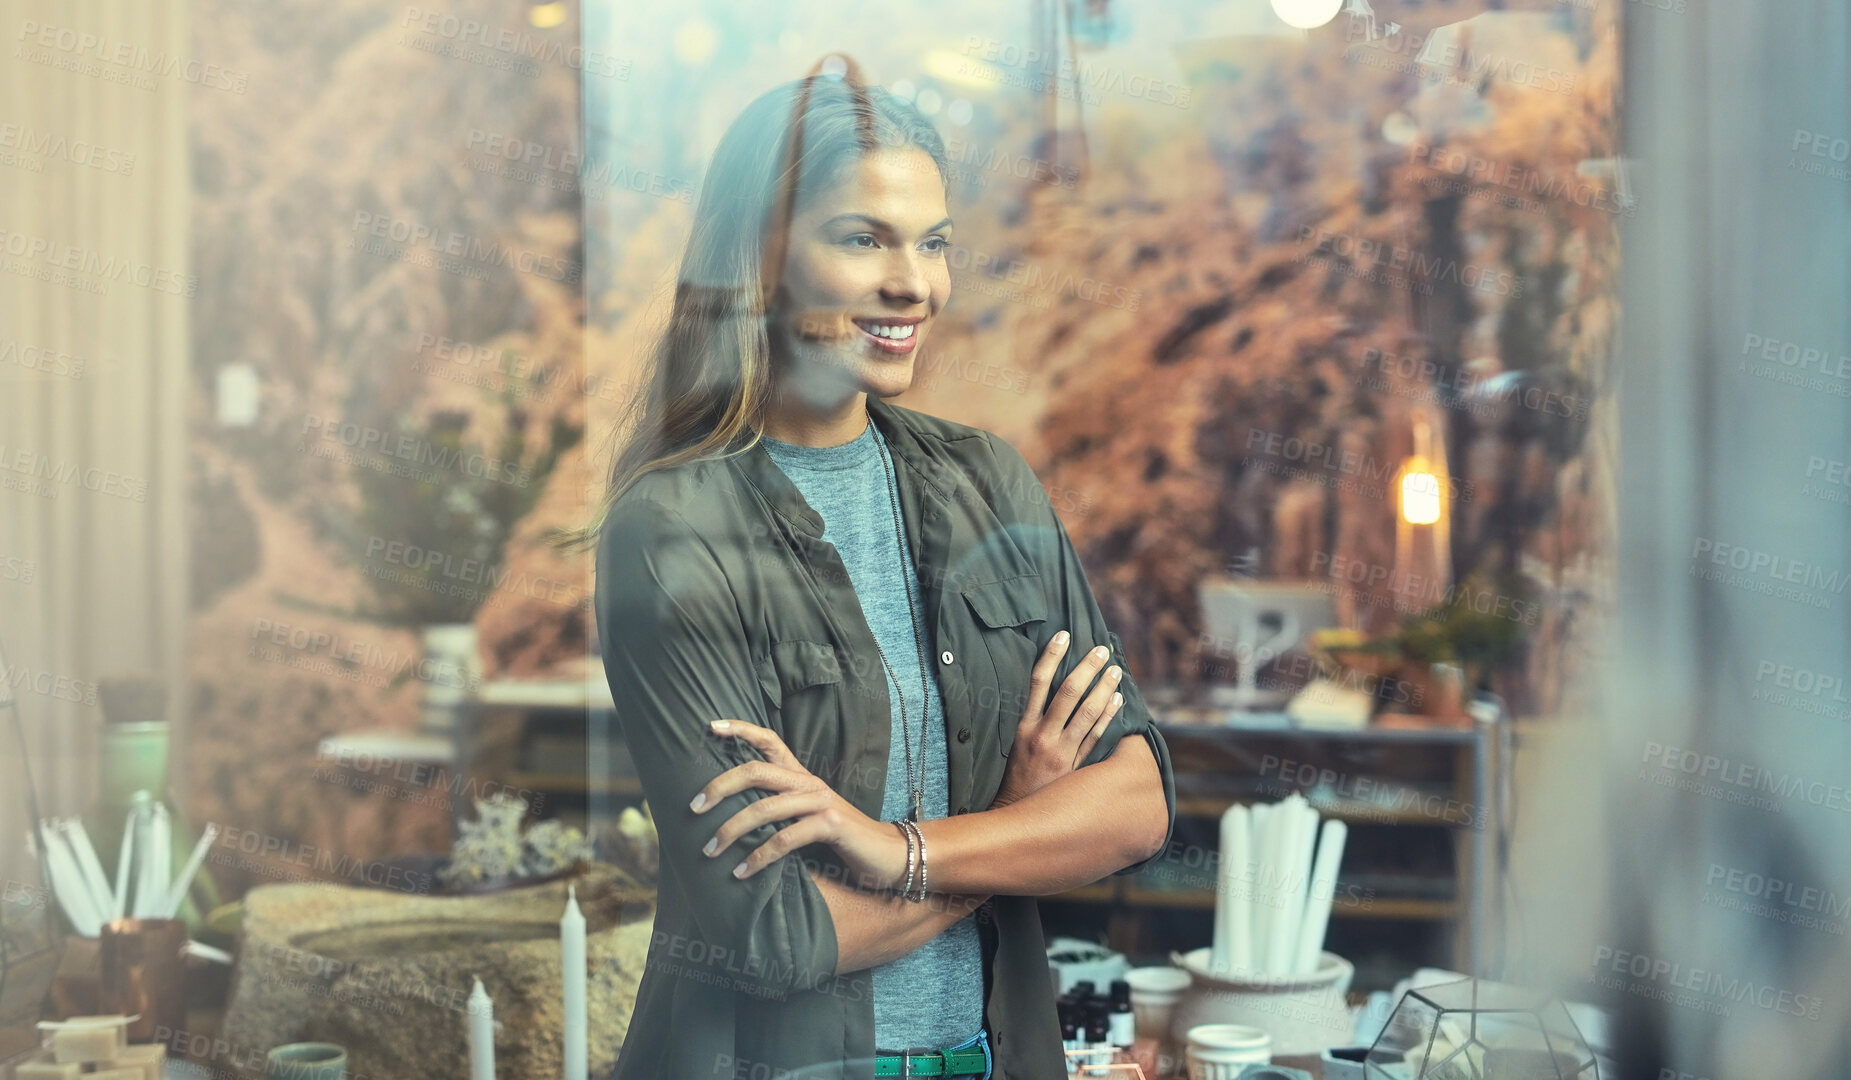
x=1383, y=780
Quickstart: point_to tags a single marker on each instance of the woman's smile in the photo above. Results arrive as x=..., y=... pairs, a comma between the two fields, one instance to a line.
x=896, y=336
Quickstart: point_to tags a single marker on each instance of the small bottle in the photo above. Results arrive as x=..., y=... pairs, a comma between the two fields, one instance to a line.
x=1097, y=1042
x=1069, y=1035
x=1119, y=1024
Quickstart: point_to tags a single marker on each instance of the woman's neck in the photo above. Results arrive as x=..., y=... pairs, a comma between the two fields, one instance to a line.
x=791, y=419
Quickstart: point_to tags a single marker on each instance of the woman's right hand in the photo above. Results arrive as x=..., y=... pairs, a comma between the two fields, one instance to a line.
x=1051, y=742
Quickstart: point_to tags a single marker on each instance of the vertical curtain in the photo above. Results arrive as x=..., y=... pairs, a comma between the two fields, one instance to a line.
x=94, y=309
x=1722, y=764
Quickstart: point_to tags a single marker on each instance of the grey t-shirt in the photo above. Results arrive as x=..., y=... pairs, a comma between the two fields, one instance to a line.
x=933, y=996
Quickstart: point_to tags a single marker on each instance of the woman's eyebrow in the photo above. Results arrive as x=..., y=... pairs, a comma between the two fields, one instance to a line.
x=877, y=223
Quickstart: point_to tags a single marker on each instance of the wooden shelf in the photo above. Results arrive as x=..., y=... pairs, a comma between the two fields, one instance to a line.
x=1350, y=813
x=1405, y=908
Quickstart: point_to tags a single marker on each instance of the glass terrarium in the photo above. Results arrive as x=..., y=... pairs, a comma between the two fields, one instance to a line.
x=1478, y=1030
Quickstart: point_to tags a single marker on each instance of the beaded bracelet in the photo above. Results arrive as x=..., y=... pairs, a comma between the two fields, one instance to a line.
x=911, y=855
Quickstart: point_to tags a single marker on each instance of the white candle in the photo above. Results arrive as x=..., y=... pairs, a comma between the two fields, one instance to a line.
x=176, y=894
x=572, y=961
x=1323, y=895
x=123, y=857
x=481, y=1034
x=1237, y=887
x=1300, y=827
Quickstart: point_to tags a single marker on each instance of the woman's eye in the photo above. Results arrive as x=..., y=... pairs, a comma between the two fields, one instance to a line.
x=935, y=244
x=861, y=240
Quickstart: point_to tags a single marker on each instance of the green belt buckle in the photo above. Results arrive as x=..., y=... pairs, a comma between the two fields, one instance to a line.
x=930, y=1063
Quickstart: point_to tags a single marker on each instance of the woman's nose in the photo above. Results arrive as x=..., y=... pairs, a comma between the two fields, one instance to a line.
x=906, y=279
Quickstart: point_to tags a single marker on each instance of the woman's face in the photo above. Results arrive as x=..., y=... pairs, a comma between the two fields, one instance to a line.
x=864, y=277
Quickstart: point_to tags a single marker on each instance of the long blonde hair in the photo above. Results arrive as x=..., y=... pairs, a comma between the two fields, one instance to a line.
x=710, y=377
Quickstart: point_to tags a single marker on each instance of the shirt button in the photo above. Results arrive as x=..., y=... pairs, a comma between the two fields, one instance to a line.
x=946, y=656
x=964, y=734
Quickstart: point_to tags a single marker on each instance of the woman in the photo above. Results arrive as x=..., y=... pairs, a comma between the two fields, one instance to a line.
x=824, y=617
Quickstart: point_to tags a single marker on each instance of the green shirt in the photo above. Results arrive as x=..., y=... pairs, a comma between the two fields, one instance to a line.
x=717, y=597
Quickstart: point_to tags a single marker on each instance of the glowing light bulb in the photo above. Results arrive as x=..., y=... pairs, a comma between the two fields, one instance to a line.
x=1420, y=497
x=1306, y=14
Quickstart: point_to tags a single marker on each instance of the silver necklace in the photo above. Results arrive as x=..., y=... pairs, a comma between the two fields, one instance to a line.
x=915, y=784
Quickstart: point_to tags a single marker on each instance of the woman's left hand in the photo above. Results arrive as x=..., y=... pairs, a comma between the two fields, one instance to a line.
x=874, y=851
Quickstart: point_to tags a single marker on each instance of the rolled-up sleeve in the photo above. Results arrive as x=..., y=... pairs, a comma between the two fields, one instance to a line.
x=676, y=655
x=1073, y=607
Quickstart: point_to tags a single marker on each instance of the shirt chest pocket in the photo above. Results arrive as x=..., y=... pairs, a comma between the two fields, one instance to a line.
x=1011, y=617
x=795, y=666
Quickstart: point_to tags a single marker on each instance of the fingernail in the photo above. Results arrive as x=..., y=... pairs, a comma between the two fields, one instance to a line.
x=713, y=845
x=740, y=870
x=723, y=725
x=1102, y=652
x=1117, y=700
x=1060, y=638
x=699, y=801
x=1112, y=672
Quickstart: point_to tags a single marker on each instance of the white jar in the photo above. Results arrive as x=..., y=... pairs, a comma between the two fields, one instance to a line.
x=1221, y=1051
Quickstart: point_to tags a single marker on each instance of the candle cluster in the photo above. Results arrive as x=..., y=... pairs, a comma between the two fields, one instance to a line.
x=1277, y=880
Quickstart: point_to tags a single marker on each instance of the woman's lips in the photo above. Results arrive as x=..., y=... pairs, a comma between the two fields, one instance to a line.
x=887, y=340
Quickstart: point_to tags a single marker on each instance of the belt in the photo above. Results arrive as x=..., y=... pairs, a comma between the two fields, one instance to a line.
x=931, y=1063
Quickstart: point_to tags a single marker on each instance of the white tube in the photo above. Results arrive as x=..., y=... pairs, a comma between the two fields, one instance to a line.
x=1323, y=895
x=1265, y=881
x=102, y=900
x=1237, y=888
x=124, y=858
x=67, y=881
x=176, y=894
x=1295, y=861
